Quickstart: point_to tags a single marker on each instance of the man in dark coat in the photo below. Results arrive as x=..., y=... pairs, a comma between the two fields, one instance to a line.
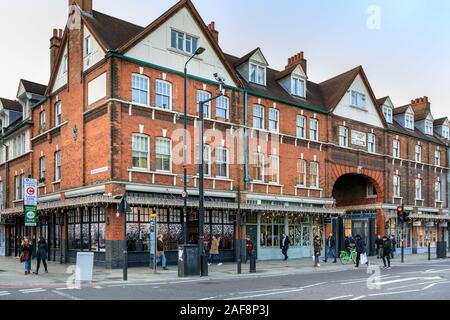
x=378, y=246
x=387, y=248
x=394, y=244
x=331, y=243
x=360, y=249
x=284, y=245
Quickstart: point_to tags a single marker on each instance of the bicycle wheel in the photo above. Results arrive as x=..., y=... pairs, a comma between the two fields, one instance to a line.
x=343, y=258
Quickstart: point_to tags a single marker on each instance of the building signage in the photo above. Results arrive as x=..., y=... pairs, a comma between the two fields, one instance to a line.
x=430, y=224
x=359, y=138
x=443, y=224
x=417, y=223
x=30, y=199
x=99, y=170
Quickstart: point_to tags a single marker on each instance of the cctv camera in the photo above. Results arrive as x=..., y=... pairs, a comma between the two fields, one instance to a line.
x=219, y=78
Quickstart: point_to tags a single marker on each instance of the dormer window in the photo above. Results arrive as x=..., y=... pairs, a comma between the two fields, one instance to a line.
x=257, y=74
x=358, y=100
x=409, y=121
x=298, y=87
x=87, y=45
x=445, y=132
x=429, y=127
x=387, y=111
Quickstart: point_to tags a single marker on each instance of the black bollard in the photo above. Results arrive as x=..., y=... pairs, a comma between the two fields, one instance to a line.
x=253, y=263
x=429, y=251
x=125, y=265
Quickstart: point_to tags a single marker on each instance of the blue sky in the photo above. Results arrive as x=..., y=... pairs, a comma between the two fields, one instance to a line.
x=408, y=57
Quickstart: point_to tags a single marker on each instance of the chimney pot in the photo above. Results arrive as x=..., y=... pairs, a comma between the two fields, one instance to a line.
x=214, y=32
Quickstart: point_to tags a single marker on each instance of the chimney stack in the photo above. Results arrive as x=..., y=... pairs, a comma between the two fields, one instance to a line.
x=85, y=5
x=298, y=59
x=214, y=32
x=55, y=46
x=421, y=104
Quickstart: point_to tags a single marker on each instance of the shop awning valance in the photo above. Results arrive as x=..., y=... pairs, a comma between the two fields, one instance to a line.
x=416, y=216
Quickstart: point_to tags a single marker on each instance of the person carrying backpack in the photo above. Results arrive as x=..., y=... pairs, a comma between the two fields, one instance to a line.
x=42, y=254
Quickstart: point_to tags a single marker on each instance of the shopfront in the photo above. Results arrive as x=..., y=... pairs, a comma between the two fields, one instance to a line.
x=2, y=240
x=362, y=223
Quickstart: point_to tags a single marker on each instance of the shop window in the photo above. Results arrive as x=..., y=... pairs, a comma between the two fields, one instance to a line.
x=86, y=229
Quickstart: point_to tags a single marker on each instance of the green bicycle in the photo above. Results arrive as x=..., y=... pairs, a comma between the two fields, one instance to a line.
x=346, y=257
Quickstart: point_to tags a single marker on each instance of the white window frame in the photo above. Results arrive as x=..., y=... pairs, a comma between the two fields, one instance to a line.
x=397, y=186
x=418, y=189
x=185, y=40
x=66, y=63
x=58, y=113
x=371, y=143
x=314, y=129
x=142, y=151
x=161, y=86
x=429, y=127
x=87, y=45
x=437, y=158
x=260, y=160
x=260, y=71
x=303, y=174
x=42, y=120
x=220, y=161
x=359, y=100
x=58, y=158
x=207, y=159
x=258, y=117
x=159, y=155
x=314, y=183
x=42, y=168
x=446, y=132
x=409, y=121
x=418, y=153
x=388, y=114
x=396, y=149
x=274, y=122
x=223, y=104
x=438, y=191
x=295, y=87
x=204, y=95
x=140, y=90
x=343, y=136
x=301, y=128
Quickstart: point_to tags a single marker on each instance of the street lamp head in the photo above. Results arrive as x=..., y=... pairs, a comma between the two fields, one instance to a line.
x=199, y=51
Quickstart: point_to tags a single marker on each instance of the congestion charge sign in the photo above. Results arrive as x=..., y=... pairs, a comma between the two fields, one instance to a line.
x=30, y=202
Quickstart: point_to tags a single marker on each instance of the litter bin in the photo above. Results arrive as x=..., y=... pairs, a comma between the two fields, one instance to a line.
x=441, y=250
x=85, y=267
x=188, y=261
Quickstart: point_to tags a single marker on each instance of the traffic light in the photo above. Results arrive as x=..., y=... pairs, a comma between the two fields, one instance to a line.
x=401, y=213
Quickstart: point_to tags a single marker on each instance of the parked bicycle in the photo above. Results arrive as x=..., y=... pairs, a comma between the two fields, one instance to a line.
x=346, y=257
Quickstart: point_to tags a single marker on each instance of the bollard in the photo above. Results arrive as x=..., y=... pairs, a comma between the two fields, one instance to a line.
x=125, y=265
x=204, y=265
x=429, y=251
x=253, y=263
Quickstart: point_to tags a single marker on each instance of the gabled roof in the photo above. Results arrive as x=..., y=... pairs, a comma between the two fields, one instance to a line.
x=334, y=89
x=288, y=71
x=11, y=105
x=440, y=122
x=398, y=128
x=112, y=32
x=382, y=101
x=33, y=87
x=201, y=24
x=420, y=115
x=245, y=58
x=402, y=109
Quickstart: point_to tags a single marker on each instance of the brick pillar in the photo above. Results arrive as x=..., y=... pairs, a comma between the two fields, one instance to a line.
x=381, y=223
x=114, y=238
x=64, y=240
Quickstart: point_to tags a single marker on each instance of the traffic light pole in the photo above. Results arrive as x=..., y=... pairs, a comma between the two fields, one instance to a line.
x=403, y=241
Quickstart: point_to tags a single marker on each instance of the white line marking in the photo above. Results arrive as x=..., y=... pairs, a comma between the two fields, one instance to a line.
x=32, y=291
x=65, y=295
x=60, y=289
x=389, y=293
x=341, y=297
x=429, y=286
x=358, y=298
x=365, y=279
x=411, y=285
x=5, y=294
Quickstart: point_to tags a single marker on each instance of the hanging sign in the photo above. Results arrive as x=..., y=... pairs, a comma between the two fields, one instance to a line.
x=30, y=199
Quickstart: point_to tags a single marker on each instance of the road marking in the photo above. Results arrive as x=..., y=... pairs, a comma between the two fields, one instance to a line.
x=413, y=285
x=429, y=286
x=65, y=295
x=98, y=287
x=5, y=294
x=277, y=293
x=341, y=297
x=365, y=279
x=26, y=291
x=358, y=298
x=390, y=293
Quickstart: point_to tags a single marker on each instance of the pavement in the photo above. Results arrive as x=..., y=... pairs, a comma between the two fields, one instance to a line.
x=12, y=273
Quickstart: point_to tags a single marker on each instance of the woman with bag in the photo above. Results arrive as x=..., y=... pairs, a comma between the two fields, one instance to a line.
x=42, y=254
x=317, y=244
x=360, y=251
x=160, y=252
x=26, y=250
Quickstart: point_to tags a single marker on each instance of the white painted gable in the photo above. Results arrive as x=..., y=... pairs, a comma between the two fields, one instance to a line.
x=370, y=115
x=61, y=76
x=21, y=90
x=298, y=71
x=97, y=53
x=156, y=49
x=388, y=103
x=258, y=57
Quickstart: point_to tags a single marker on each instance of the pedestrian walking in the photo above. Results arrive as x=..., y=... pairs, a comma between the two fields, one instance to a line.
x=249, y=249
x=394, y=245
x=317, y=246
x=379, y=247
x=284, y=246
x=214, y=251
x=42, y=254
x=26, y=250
x=161, y=257
x=360, y=250
x=387, y=249
x=331, y=243
x=347, y=244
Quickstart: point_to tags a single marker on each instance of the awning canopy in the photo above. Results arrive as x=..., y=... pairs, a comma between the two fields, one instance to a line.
x=421, y=216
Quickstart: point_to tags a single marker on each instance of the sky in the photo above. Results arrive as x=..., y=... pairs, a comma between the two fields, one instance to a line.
x=403, y=45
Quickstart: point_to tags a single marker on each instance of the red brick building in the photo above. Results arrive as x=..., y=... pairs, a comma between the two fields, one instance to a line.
x=296, y=156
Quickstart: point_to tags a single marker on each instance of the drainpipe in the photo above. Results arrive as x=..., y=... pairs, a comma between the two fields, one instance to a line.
x=246, y=178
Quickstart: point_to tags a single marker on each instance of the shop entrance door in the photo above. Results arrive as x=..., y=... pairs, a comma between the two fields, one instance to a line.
x=252, y=231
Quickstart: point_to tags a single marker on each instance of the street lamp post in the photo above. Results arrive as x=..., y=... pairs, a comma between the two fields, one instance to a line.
x=185, y=218
x=201, y=218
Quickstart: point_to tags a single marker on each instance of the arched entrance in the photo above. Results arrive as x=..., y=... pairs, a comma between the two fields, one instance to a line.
x=360, y=194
